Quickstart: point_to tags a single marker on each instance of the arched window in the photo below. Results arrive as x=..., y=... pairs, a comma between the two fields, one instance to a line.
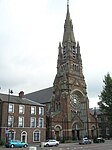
x=58, y=106
x=36, y=136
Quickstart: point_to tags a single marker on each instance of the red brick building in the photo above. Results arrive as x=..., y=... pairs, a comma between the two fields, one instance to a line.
x=22, y=119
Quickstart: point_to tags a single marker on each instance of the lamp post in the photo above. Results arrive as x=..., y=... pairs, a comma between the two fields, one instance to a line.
x=8, y=112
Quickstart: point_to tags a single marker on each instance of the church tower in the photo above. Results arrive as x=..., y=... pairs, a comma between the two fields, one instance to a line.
x=70, y=104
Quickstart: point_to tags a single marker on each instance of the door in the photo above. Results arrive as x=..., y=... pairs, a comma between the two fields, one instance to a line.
x=24, y=136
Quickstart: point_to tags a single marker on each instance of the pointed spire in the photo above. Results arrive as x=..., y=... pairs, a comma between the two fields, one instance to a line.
x=78, y=47
x=59, y=44
x=78, y=44
x=68, y=27
x=59, y=53
x=78, y=51
x=67, y=2
x=60, y=49
x=68, y=14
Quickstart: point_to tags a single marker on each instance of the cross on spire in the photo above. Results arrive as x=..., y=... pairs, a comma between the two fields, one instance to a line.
x=68, y=5
x=68, y=2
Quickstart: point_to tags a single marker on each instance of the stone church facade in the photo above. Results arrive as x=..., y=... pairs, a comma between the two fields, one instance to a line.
x=70, y=104
x=68, y=116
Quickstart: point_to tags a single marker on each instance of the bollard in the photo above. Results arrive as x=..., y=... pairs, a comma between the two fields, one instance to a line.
x=42, y=145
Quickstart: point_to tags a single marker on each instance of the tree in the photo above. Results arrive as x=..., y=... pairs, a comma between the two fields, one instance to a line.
x=105, y=103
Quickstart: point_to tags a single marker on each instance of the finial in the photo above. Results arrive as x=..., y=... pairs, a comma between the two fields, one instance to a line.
x=68, y=2
x=68, y=5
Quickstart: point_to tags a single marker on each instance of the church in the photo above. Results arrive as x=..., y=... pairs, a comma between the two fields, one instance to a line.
x=67, y=104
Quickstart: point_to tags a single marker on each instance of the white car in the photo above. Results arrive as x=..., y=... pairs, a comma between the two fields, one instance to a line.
x=50, y=143
x=85, y=141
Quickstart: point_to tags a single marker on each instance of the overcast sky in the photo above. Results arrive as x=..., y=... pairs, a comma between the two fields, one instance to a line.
x=30, y=32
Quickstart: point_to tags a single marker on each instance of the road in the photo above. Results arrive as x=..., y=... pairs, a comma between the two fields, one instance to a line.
x=71, y=146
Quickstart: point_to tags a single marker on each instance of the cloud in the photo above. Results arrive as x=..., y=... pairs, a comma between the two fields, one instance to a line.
x=30, y=32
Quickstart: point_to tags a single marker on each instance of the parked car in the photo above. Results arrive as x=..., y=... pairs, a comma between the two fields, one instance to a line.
x=16, y=143
x=50, y=142
x=85, y=141
x=99, y=140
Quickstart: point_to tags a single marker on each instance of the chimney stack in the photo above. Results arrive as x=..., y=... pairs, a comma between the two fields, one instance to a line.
x=21, y=94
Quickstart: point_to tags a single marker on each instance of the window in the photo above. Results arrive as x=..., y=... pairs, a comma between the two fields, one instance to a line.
x=11, y=108
x=41, y=122
x=33, y=110
x=33, y=122
x=11, y=135
x=36, y=136
x=21, y=122
x=58, y=106
x=21, y=109
x=10, y=121
x=107, y=131
x=41, y=110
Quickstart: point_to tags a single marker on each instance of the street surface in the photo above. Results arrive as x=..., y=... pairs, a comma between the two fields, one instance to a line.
x=71, y=146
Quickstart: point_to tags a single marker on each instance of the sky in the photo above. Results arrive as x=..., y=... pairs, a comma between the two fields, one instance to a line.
x=30, y=32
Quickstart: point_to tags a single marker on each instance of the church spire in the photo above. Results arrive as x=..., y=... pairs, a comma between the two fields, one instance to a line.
x=67, y=5
x=69, y=57
x=68, y=28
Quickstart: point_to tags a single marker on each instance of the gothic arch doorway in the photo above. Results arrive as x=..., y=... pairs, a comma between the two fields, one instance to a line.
x=76, y=129
x=57, y=132
x=24, y=136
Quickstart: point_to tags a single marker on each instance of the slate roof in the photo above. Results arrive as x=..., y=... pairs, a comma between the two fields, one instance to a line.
x=18, y=100
x=42, y=96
